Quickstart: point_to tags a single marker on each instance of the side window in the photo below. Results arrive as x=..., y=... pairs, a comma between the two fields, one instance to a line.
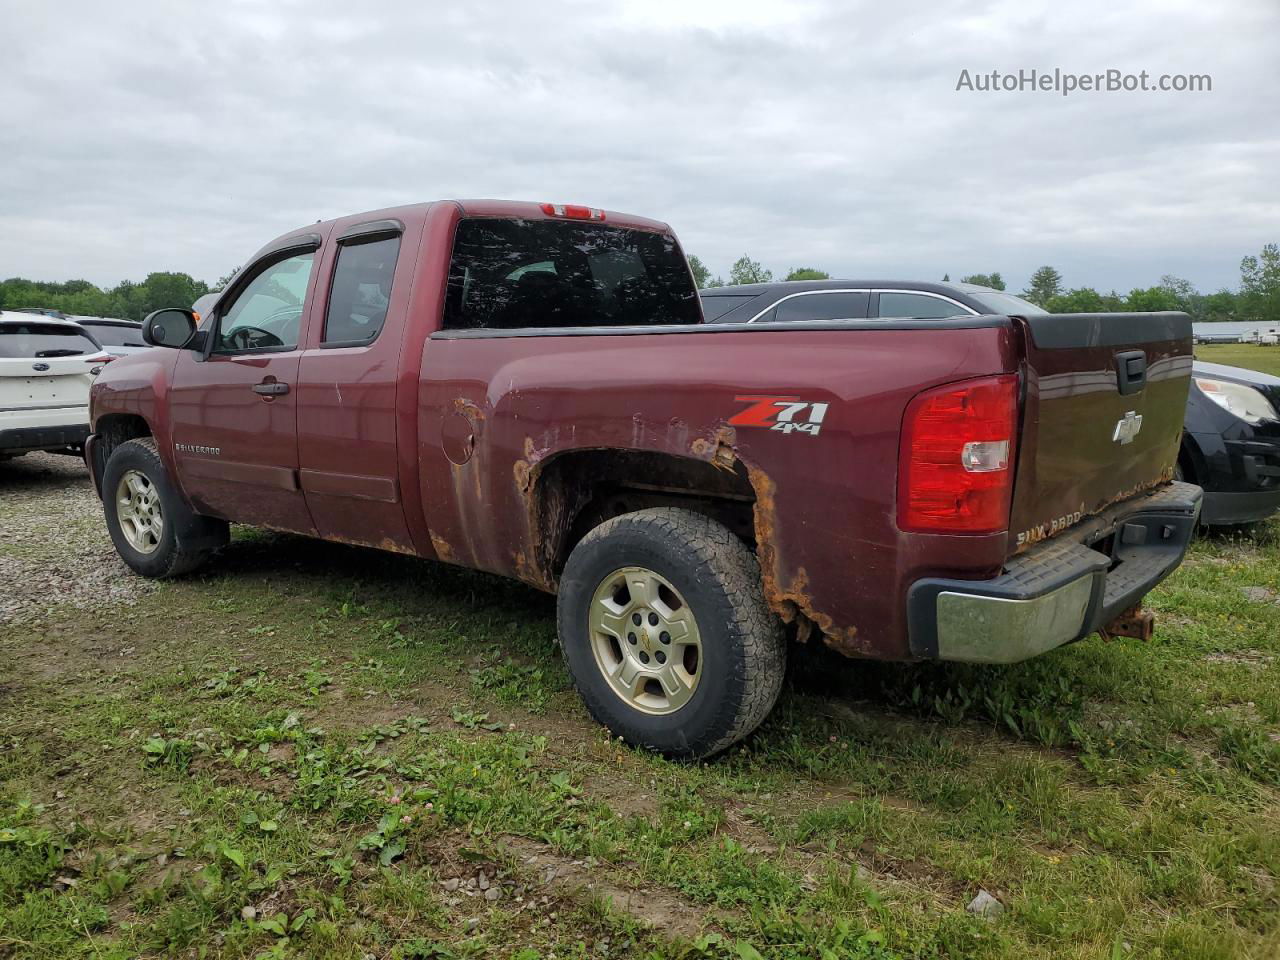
x=361, y=290
x=917, y=306
x=836, y=305
x=267, y=313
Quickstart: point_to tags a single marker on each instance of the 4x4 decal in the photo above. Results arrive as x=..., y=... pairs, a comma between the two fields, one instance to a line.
x=785, y=414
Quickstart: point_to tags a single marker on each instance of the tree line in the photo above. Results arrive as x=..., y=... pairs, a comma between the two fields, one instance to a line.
x=127, y=299
x=1256, y=300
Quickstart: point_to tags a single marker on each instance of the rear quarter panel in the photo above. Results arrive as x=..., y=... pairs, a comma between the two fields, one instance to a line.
x=825, y=505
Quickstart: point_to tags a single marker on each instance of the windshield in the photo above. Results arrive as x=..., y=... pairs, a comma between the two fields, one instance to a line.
x=996, y=302
x=43, y=340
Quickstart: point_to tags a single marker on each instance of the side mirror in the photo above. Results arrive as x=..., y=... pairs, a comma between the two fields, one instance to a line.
x=171, y=327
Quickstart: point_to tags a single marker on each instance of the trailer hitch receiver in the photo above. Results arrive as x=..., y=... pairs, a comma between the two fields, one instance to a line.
x=1134, y=622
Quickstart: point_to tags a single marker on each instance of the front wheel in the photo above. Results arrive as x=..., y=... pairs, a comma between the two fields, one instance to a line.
x=664, y=626
x=154, y=530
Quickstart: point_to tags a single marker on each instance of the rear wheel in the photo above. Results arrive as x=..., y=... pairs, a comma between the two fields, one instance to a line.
x=665, y=629
x=154, y=530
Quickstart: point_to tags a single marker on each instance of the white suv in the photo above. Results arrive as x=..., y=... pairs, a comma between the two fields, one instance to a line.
x=46, y=367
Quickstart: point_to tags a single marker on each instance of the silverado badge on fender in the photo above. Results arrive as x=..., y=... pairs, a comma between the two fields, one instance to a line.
x=780, y=413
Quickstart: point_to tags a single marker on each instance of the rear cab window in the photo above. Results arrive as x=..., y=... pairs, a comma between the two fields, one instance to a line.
x=514, y=273
x=22, y=339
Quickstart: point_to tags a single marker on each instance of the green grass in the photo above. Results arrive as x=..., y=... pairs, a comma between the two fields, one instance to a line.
x=298, y=753
x=1248, y=355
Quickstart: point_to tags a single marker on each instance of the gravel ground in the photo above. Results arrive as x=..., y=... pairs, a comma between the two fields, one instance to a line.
x=54, y=548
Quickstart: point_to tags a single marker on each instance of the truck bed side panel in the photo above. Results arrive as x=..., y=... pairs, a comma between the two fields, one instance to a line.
x=496, y=409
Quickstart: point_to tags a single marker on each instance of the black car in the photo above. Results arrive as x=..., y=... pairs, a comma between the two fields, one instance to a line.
x=1231, y=435
x=1231, y=442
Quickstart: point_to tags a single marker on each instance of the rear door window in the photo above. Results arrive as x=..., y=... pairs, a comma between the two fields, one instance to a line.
x=43, y=340
x=919, y=306
x=509, y=274
x=361, y=291
x=836, y=305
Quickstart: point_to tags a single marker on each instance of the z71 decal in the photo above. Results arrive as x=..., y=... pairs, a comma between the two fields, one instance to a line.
x=784, y=414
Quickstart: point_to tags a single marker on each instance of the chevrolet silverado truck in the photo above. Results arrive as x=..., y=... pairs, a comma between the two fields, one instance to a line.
x=530, y=390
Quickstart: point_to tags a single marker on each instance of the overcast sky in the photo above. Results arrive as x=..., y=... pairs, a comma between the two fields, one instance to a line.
x=140, y=136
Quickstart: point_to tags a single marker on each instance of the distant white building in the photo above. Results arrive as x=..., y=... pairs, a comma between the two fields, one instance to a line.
x=1231, y=332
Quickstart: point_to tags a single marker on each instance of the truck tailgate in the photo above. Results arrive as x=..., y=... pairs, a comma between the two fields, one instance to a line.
x=1102, y=421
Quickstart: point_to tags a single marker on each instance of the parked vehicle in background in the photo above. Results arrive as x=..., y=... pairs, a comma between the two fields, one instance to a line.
x=40, y=311
x=203, y=306
x=46, y=368
x=118, y=337
x=530, y=390
x=1230, y=442
x=800, y=300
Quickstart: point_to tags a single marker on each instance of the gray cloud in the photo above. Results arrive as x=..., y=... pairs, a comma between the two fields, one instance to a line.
x=138, y=136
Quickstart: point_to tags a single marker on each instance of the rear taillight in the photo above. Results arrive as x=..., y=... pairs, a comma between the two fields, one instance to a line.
x=955, y=467
x=572, y=211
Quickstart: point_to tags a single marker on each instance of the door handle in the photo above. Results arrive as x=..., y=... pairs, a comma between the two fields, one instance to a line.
x=271, y=388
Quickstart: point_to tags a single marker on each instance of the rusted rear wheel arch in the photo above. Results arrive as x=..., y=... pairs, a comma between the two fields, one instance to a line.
x=574, y=492
x=570, y=494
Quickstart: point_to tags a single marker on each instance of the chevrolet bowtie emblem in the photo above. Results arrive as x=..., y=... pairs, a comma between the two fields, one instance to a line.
x=1127, y=427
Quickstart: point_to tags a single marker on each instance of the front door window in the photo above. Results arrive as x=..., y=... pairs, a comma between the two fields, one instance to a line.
x=267, y=313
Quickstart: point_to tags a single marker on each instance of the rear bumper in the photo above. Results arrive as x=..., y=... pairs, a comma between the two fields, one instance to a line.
x=1059, y=591
x=27, y=439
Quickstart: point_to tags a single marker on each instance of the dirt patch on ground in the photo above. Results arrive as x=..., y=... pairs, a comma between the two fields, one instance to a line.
x=55, y=549
x=1250, y=658
x=659, y=909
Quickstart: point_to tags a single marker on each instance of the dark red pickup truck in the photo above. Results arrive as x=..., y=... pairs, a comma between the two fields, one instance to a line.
x=530, y=390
